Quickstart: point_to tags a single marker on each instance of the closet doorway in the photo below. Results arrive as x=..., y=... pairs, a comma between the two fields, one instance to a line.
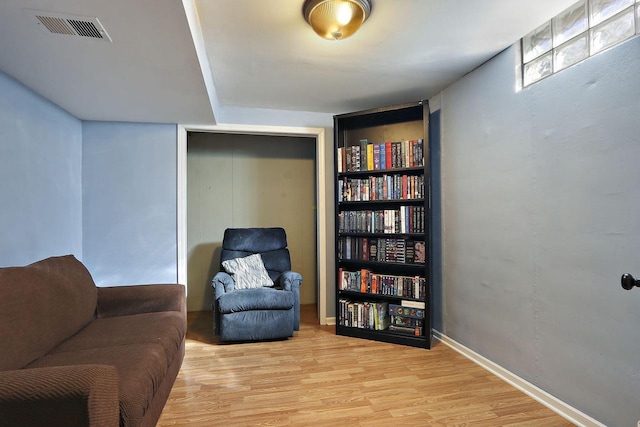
x=247, y=180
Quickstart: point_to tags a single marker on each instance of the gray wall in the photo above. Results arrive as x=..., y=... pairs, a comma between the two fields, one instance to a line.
x=129, y=202
x=541, y=216
x=248, y=181
x=40, y=177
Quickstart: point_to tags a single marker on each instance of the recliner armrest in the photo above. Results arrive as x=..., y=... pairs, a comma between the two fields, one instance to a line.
x=80, y=395
x=289, y=279
x=222, y=283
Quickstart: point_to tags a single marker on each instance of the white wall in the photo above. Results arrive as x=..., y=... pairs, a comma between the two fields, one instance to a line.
x=40, y=177
x=237, y=180
x=541, y=216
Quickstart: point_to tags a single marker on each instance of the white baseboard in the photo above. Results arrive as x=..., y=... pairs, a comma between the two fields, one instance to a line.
x=556, y=405
x=331, y=321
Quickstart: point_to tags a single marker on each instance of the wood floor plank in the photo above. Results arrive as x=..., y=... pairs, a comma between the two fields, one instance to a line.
x=319, y=379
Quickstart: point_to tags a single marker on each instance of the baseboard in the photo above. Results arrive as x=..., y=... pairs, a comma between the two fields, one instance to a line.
x=556, y=405
x=331, y=321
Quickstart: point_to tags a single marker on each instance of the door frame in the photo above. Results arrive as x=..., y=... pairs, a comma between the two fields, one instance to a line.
x=321, y=217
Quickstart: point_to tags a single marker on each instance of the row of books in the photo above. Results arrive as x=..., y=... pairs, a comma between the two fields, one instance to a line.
x=366, y=281
x=367, y=156
x=396, y=250
x=405, y=219
x=377, y=316
x=385, y=187
x=364, y=315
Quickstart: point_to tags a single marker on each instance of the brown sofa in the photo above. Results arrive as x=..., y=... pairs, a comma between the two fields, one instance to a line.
x=73, y=354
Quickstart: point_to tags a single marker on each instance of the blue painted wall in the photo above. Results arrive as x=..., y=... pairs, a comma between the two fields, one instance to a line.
x=40, y=177
x=129, y=202
x=541, y=216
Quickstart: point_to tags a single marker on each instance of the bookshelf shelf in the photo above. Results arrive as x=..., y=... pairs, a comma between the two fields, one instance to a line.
x=355, y=174
x=381, y=235
x=368, y=295
x=373, y=264
x=381, y=264
x=383, y=202
x=383, y=221
x=383, y=336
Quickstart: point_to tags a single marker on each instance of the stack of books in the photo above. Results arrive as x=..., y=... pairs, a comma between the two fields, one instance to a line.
x=407, y=317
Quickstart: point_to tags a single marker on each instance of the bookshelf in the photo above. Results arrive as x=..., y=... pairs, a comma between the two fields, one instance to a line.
x=383, y=243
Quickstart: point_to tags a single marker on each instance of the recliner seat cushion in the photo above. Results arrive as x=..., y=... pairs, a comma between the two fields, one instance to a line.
x=255, y=299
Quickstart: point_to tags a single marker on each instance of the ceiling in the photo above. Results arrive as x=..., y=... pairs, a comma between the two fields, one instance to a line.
x=189, y=61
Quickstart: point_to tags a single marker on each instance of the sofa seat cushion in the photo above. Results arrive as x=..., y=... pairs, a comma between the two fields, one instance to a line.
x=141, y=369
x=165, y=329
x=255, y=299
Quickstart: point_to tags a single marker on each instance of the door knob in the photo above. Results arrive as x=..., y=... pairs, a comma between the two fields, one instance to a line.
x=628, y=282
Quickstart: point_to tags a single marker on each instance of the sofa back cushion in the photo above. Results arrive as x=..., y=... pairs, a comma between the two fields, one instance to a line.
x=41, y=305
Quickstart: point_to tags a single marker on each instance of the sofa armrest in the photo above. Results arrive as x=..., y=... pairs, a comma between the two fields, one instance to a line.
x=80, y=395
x=127, y=300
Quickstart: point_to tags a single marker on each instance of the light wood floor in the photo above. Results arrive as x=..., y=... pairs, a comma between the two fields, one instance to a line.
x=319, y=379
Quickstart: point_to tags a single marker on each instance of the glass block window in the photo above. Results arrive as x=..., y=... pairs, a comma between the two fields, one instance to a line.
x=613, y=31
x=538, y=68
x=582, y=30
x=537, y=42
x=570, y=23
x=570, y=53
x=605, y=9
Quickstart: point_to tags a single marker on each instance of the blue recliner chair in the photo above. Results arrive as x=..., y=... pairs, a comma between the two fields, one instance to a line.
x=268, y=311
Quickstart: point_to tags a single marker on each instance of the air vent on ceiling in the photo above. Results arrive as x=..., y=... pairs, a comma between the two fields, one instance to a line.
x=72, y=25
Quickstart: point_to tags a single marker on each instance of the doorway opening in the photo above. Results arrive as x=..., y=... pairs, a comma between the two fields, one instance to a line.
x=316, y=134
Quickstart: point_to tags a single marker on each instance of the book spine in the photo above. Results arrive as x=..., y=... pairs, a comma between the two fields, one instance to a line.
x=407, y=150
x=363, y=154
x=389, y=155
x=370, y=157
x=376, y=156
x=355, y=158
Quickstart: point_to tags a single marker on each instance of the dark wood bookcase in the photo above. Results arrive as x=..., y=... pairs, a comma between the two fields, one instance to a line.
x=383, y=224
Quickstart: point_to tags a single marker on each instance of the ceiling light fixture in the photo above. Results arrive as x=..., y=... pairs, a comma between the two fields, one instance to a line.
x=336, y=19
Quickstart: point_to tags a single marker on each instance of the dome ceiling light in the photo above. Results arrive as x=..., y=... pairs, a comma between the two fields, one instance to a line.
x=336, y=19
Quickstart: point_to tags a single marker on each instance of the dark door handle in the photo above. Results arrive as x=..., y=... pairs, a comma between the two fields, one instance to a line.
x=628, y=282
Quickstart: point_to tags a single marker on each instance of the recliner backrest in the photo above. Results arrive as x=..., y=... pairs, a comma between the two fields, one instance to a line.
x=270, y=243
